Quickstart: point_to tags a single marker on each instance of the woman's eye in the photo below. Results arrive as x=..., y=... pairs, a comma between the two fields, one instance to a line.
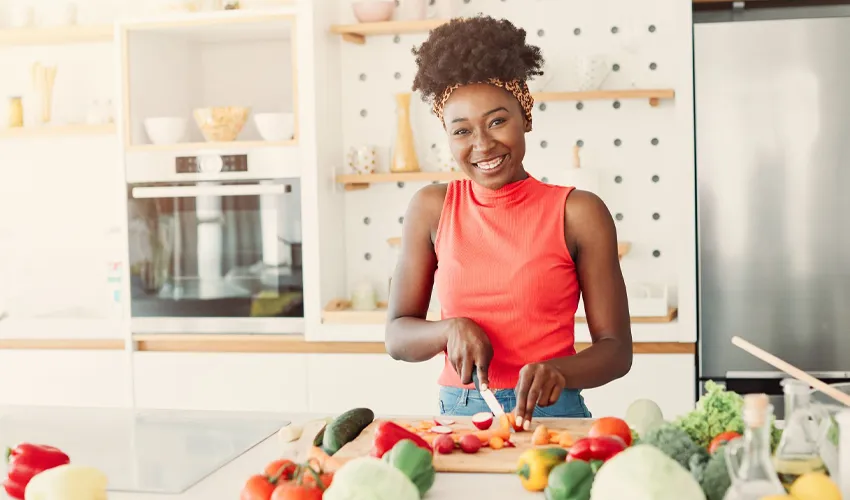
x=460, y=131
x=497, y=121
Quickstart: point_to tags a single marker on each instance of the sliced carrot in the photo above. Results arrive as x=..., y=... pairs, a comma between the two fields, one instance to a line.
x=540, y=435
x=496, y=443
x=484, y=436
x=566, y=439
x=504, y=433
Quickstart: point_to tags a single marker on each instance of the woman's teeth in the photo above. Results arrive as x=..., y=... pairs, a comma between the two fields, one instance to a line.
x=491, y=164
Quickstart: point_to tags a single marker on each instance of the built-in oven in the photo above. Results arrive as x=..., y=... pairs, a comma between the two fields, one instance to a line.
x=215, y=250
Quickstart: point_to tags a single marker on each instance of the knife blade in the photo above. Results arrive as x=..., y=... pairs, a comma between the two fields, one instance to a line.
x=489, y=398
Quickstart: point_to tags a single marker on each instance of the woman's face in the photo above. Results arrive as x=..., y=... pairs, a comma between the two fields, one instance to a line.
x=486, y=128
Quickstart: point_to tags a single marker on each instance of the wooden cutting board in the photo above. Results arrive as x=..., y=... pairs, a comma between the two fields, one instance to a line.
x=486, y=460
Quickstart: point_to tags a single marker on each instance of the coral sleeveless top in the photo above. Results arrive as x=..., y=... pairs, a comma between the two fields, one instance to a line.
x=503, y=262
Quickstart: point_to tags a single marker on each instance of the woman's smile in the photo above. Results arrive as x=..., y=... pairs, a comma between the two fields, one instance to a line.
x=492, y=164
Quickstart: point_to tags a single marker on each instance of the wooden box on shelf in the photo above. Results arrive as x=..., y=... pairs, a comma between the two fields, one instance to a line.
x=210, y=81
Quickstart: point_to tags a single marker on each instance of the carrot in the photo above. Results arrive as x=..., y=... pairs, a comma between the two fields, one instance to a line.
x=325, y=461
x=484, y=436
x=540, y=435
x=504, y=433
x=496, y=442
x=566, y=440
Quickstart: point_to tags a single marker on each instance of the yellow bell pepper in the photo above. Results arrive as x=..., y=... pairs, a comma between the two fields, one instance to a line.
x=67, y=482
x=534, y=466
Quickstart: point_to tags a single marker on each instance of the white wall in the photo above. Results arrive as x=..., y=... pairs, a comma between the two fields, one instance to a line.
x=59, y=200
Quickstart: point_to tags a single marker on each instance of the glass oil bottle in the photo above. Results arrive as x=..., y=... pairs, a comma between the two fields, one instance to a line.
x=748, y=459
x=799, y=450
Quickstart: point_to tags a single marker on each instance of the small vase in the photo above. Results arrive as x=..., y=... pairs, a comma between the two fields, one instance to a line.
x=404, y=151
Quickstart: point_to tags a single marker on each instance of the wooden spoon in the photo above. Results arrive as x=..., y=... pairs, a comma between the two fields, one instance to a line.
x=792, y=370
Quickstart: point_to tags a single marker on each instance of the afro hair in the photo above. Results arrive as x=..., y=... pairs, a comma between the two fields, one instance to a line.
x=470, y=50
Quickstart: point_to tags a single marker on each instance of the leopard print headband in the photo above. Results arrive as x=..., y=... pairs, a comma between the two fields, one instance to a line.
x=516, y=87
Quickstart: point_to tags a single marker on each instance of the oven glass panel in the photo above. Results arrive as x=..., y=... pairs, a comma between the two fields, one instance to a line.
x=216, y=250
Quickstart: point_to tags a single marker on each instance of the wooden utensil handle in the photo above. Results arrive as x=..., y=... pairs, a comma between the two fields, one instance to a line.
x=792, y=370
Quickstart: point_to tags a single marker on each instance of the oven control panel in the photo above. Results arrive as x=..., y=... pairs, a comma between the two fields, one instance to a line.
x=210, y=164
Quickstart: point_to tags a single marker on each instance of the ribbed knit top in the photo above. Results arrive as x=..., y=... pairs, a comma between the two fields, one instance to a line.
x=503, y=262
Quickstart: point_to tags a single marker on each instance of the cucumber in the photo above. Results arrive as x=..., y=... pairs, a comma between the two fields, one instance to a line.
x=345, y=428
x=317, y=441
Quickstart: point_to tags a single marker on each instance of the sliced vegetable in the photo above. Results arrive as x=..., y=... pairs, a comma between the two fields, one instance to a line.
x=416, y=463
x=441, y=429
x=68, y=482
x=25, y=461
x=470, y=443
x=388, y=434
x=611, y=426
x=496, y=443
x=368, y=478
x=569, y=481
x=721, y=439
x=535, y=464
x=482, y=420
x=540, y=435
x=601, y=448
x=444, y=444
x=444, y=421
x=345, y=428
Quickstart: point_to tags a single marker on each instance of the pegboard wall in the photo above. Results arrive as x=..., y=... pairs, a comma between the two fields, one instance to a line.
x=637, y=158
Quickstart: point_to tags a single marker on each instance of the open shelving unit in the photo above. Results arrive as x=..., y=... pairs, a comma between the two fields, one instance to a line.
x=71, y=130
x=180, y=146
x=362, y=181
x=654, y=95
x=357, y=33
x=60, y=35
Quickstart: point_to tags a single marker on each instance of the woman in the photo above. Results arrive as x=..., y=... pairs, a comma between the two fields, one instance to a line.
x=510, y=254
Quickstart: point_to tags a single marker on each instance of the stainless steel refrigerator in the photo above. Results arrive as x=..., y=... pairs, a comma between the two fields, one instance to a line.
x=772, y=106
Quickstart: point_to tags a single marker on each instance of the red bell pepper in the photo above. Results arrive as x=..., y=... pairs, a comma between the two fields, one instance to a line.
x=600, y=448
x=388, y=434
x=27, y=460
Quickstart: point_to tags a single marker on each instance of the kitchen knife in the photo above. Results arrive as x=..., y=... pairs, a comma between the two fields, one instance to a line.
x=489, y=398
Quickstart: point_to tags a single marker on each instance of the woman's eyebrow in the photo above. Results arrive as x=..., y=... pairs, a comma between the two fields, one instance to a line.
x=462, y=119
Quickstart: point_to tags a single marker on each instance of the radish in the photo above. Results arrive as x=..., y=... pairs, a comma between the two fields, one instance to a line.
x=470, y=443
x=444, y=444
x=482, y=420
x=441, y=429
x=443, y=421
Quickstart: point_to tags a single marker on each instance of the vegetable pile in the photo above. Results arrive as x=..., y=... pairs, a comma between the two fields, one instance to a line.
x=40, y=472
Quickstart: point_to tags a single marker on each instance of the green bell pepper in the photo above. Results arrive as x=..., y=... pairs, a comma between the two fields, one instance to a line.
x=415, y=462
x=570, y=481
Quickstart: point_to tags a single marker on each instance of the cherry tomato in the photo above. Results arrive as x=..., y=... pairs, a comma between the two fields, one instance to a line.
x=283, y=467
x=293, y=491
x=257, y=487
x=721, y=439
x=611, y=426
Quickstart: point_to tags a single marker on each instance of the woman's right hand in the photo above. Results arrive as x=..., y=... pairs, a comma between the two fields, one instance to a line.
x=467, y=347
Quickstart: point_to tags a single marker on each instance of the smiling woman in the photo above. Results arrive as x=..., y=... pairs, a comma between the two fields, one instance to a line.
x=510, y=255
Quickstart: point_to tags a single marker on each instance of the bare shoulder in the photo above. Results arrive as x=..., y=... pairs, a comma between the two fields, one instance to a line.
x=426, y=205
x=586, y=216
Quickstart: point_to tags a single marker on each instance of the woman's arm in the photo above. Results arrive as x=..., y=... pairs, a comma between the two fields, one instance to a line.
x=592, y=236
x=409, y=337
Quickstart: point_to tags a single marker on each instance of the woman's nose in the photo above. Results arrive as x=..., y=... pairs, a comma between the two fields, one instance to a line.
x=482, y=141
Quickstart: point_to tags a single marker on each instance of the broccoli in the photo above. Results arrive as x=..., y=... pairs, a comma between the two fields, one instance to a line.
x=714, y=478
x=698, y=463
x=674, y=442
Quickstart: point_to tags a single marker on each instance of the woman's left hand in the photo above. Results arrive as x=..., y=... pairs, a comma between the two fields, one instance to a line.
x=539, y=384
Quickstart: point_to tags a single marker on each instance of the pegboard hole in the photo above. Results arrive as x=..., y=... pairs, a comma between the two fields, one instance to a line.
x=544, y=179
x=367, y=220
x=543, y=144
x=655, y=178
x=363, y=113
x=579, y=106
x=651, y=28
x=367, y=256
x=540, y=33
x=399, y=184
x=542, y=106
x=396, y=39
x=397, y=75
x=656, y=253
x=653, y=66
x=615, y=67
x=580, y=143
x=362, y=77
x=617, y=142
x=656, y=216
x=401, y=220
x=577, y=31
x=615, y=30
x=654, y=141
x=619, y=216
x=616, y=105
x=618, y=179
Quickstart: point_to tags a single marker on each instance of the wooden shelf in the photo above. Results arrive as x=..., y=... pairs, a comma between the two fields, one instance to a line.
x=361, y=181
x=61, y=35
x=182, y=146
x=357, y=33
x=339, y=311
x=654, y=95
x=57, y=131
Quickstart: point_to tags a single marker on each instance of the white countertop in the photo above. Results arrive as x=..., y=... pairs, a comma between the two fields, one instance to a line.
x=103, y=435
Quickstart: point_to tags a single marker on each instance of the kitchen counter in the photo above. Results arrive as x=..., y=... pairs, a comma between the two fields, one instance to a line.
x=227, y=481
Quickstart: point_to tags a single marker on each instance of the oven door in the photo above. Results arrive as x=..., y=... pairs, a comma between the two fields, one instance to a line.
x=216, y=257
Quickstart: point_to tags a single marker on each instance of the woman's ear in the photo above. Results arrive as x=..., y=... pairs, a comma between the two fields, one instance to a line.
x=527, y=125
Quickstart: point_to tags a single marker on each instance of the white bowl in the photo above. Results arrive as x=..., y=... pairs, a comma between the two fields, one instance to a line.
x=275, y=126
x=373, y=11
x=166, y=129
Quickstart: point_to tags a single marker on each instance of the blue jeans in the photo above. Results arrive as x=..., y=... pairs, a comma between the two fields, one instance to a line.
x=466, y=402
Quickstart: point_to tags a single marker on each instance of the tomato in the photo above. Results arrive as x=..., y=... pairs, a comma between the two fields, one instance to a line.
x=257, y=487
x=283, y=467
x=293, y=491
x=721, y=439
x=326, y=478
x=611, y=426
